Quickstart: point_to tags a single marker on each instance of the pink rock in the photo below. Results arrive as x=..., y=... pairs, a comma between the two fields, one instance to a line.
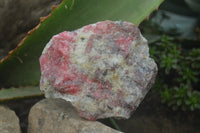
x=103, y=69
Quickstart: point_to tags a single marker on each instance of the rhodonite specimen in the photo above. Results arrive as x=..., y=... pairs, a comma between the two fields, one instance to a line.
x=103, y=69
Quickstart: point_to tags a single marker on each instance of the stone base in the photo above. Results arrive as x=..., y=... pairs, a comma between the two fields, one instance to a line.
x=9, y=122
x=59, y=116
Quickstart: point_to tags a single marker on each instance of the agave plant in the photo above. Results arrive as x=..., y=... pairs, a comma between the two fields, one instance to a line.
x=20, y=70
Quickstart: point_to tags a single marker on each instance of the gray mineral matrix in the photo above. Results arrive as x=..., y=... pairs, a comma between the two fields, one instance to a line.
x=103, y=69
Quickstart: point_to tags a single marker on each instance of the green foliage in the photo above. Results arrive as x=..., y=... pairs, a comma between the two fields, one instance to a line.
x=181, y=97
x=15, y=93
x=115, y=125
x=179, y=76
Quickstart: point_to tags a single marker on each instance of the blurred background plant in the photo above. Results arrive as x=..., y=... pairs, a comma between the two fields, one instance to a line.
x=179, y=76
x=174, y=36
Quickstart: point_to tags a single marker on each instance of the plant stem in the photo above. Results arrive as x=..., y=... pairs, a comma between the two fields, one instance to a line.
x=113, y=122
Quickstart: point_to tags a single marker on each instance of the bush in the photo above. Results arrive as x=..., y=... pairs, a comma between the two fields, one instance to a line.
x=178, y=77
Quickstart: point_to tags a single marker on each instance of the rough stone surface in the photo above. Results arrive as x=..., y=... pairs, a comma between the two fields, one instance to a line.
x=103, y=69
x=9, y=122
x=59, y=116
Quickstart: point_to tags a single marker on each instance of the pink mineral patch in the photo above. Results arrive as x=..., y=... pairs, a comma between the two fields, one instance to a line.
x=103, y=69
